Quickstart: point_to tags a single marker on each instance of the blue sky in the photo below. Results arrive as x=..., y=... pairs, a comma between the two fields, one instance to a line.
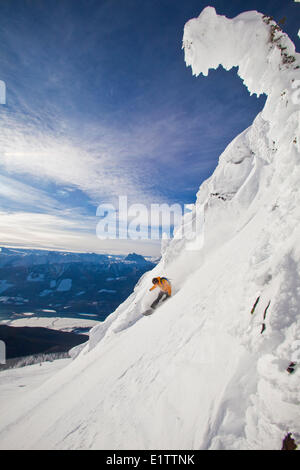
x=100, y=103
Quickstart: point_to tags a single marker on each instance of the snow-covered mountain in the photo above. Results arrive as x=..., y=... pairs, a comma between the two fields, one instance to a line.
x=208, y=369
x=66, y=284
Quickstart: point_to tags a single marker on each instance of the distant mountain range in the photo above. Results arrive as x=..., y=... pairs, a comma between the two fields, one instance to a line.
x=48, y=283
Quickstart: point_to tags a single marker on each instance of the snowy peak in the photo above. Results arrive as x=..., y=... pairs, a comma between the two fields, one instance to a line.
x=256, y=164
x=135, y=258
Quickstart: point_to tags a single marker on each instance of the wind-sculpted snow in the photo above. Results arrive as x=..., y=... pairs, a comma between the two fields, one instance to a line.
x=208, y=369
x=251, y=41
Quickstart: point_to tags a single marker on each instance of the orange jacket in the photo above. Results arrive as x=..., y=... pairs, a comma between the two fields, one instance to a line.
x=163, y=284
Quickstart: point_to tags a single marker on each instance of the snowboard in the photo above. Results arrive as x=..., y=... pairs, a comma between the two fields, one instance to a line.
x=149, y=311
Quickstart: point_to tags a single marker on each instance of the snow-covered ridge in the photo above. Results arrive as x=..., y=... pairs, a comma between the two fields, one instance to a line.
x=252, y=42
x=208, y=369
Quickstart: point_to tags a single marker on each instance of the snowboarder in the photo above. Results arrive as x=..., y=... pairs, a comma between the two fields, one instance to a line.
x=165, y=289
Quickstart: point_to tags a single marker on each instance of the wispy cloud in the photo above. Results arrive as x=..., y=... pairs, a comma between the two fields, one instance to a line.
x=61, y=160
x=106, y=161
x=66, y=233
x=16, y=194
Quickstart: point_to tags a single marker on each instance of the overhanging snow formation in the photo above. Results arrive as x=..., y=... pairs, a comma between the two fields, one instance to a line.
x=208, y=369
x=252, y=42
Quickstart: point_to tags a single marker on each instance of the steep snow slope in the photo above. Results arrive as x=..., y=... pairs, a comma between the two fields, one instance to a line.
x=203, y=371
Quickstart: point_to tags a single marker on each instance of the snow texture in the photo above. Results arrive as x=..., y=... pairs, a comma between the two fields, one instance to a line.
x=208, y=369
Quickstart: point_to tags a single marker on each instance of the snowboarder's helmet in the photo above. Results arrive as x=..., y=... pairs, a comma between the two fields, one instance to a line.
x=155, y=280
